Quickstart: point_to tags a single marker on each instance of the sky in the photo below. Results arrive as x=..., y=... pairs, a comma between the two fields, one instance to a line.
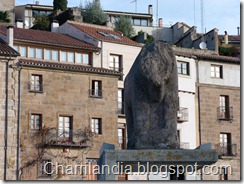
x=221, y=14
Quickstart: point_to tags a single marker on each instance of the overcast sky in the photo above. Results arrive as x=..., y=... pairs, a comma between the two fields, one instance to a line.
x=221, y=14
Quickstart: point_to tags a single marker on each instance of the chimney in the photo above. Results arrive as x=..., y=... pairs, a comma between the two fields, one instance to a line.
x=19, y=24
x=55, y=26
x=160, y=22
x=226, y=38
x=10, y=35
x=37, y=3
x=150, y=9
x=238, y=31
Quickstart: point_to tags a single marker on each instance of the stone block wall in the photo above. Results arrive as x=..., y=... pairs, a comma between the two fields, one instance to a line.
x=67, y=93
x=211, y=126
x=12, y=120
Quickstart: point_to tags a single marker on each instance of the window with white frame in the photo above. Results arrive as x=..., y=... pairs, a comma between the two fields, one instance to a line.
x=36, y=83
x=96, y=90
x=64, y=128
x=36, y=121
x=216, y=71
x=82, y=58
x=21, y=49
x=35, y=53
x=96, y=125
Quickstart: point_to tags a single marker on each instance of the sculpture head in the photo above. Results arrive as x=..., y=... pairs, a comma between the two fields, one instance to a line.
x=162, y=68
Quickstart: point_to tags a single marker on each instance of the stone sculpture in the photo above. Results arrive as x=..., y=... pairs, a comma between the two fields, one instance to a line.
x=151, y=99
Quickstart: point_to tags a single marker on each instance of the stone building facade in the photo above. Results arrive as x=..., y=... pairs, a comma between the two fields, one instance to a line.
x=68, y=108
x=219, y=101
x=217, y=110
x=8, y=112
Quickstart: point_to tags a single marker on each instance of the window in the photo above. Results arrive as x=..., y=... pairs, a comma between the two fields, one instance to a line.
x=183, y=68
x=64, y=128
x=82, y=58
x=63, y=56
x=36, y=121
x=216, y=71
x=225, y=144
x=96, y=125
x=71, y=57
x=16, y=47
x=224, y=108
x=31, y=52
x=39, y=53
x=45, y=168
x=48, y=54
x=137, y=22
x=36, y=83
x=121, y=138
x=121, y=101
x=55, y=55
x=35, y=53
x=23, y=51
x=110, y=35
x=140, y=22
x=86, y=59
x=115, y=63
x=96, y=90
x=144, y=22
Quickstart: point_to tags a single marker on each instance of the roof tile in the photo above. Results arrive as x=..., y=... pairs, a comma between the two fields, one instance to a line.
x=67, y=66
x=46, y=37
x=207, y=56
x=5, y=49
x=94, y=30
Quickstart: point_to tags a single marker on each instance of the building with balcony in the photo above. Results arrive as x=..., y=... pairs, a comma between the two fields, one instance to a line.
x=218, y=109
x=117, y=53
x=67, y=108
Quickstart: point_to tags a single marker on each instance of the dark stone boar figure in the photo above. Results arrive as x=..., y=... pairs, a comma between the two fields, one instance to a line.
x=151, y=99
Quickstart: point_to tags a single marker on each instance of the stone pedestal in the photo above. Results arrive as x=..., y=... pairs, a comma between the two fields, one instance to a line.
x=114, y=161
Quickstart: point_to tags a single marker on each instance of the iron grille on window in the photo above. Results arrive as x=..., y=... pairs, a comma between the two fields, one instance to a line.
x=225, y=113
x=226, y=149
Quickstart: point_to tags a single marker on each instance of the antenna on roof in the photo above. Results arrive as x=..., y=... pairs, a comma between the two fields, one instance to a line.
x=202, y=45
x=135, y=1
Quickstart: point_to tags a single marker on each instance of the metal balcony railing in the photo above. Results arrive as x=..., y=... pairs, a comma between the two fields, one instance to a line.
x=182, y=115
x=120, y=70
x=121, y=108
x=185, y=145
x=225, y=149
x=67, y=138
x=225, y=113
x=95, y=93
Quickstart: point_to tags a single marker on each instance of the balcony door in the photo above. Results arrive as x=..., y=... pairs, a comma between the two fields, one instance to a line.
x=224, y=107
x=64, y=128
x=225, y=144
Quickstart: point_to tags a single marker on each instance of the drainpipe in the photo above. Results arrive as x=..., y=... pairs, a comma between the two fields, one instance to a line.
x=6, y=121
x=199, y=109
x=101, y=54
x=18, y=127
